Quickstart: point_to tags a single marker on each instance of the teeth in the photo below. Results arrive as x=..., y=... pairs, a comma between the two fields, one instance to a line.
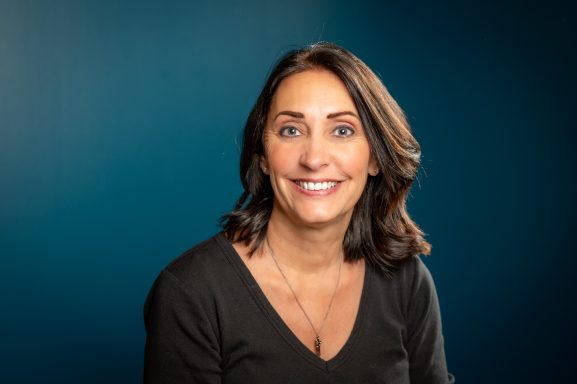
x=310, y=186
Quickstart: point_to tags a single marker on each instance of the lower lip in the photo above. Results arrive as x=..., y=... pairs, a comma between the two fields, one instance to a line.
x=322, y=192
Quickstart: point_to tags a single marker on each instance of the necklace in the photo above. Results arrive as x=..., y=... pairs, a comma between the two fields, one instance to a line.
x=318, y=340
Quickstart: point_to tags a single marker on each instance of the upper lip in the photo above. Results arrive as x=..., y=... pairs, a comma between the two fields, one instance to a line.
x=316, y=180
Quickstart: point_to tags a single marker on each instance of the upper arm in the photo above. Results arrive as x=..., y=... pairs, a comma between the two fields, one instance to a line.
x=425, y=344
x=182, y=344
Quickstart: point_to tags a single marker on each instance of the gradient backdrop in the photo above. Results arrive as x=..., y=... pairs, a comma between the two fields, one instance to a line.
x=119, y=130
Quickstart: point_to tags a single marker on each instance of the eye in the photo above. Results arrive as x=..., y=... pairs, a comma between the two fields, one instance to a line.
x=289, y=131
x=344, y=131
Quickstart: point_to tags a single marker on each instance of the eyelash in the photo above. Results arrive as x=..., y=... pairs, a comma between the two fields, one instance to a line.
x=284, y=131
x=341, y=127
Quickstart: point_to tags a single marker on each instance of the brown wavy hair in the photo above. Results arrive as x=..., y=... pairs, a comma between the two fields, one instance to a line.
x=380, y=230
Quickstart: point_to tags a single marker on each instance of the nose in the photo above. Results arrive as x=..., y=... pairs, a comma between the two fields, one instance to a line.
x=315, y=154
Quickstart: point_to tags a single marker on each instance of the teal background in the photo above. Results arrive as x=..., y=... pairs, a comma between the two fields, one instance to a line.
x=119, y=131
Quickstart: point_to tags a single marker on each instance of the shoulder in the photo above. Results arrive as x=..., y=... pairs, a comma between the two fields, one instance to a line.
x=417, y=282
x=201, y=269
x=408, y=275
x=415, y=273
x=201, y=276
x=202, y=258
x=409, y=284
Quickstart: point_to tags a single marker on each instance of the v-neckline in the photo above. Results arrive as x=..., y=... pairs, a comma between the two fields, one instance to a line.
x=279, y=324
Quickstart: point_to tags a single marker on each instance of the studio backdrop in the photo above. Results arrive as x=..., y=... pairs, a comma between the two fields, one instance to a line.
x=120, y=128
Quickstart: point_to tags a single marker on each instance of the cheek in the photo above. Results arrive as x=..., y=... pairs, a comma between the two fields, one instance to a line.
x=281, y=158
x=356, y=160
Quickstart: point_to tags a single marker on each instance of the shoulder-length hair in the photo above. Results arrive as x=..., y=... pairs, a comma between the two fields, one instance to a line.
x=380, y=230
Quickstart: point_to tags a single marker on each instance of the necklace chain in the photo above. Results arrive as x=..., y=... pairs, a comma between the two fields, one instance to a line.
x=318, y=340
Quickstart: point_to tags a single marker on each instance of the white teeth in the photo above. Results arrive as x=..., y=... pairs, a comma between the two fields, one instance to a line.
x=310, y=186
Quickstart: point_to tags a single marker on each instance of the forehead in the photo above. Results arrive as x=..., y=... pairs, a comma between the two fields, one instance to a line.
x=318, y=88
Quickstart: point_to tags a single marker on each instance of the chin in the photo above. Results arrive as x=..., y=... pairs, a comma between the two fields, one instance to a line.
x=320, y=219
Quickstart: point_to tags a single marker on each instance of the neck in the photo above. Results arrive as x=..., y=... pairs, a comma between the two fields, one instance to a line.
x=305, y=249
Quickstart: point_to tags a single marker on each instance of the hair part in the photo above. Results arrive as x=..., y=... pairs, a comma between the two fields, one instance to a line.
x=381, y=230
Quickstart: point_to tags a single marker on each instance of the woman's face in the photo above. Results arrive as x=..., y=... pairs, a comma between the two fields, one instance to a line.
x=316, y=152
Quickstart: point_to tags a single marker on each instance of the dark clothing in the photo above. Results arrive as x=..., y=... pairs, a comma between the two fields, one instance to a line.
x=208, y=321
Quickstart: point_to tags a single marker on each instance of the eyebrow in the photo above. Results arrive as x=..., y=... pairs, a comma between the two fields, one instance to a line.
x=338, y=114
x=299, y=115
x=296, y=115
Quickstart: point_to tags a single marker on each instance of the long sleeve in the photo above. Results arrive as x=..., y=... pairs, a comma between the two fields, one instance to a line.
x=425, y=338
x=182, y=344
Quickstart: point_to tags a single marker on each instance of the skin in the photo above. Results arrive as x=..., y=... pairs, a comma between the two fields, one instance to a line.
x=313, y=135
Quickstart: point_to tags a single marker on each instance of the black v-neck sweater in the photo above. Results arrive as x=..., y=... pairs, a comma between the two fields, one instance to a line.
x=208, y=321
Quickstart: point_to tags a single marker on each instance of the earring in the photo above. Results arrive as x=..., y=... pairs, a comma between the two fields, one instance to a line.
x=374, y=172
x=264, y=170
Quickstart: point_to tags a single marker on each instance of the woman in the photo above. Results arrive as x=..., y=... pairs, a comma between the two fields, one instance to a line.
x=316, y=276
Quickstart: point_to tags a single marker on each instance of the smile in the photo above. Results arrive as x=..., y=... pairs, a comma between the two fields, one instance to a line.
x=312, y=186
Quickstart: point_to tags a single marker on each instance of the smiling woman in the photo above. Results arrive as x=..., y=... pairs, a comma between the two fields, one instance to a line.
x=316, y=276
x=314, y=140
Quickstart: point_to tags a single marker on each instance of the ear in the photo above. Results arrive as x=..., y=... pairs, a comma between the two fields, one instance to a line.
x=373, y=167
x=264, y=165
